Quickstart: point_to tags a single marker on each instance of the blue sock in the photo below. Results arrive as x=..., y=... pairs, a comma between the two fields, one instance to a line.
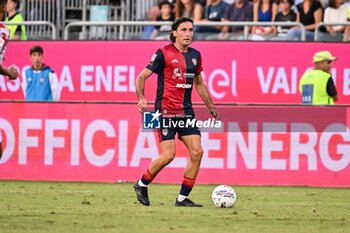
x=143, y=180
x=185, y=190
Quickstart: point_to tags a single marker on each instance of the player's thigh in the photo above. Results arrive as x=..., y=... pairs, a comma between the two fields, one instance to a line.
x=167, y=149
x=193, y=144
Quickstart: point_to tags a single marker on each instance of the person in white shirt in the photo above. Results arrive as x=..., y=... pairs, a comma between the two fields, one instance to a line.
x=336, y=12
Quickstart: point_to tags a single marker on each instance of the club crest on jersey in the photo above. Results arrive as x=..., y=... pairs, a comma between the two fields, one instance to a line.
x=194, y=61
x=177, y=73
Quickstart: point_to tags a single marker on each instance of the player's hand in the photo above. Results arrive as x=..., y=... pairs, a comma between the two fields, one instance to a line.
x=215, y=114
x=142, y=105
x=13, y=72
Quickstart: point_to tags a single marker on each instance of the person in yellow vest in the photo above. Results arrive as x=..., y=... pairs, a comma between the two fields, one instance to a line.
x=346, y=36
x=17, y=32
x=316, y=86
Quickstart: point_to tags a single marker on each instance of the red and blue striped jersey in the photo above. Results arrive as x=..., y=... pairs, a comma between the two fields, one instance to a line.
x=176, y=71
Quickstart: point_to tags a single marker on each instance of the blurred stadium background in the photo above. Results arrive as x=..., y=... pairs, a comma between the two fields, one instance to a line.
x=122, y=19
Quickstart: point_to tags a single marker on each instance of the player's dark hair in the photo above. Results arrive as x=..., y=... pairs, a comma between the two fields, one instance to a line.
x=36, y=49
x=176, y=24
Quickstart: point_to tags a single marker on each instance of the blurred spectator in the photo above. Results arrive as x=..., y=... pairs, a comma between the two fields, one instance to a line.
x=40, y=83
x=285, y=14
x=336, y=12
x=203, y=2
x=173, y=2
x=214, y=11
x=264, y=11
x=16, y=32
x=316, y=86
x=188, y=8
x=347, y=29
x=153, y=13
x=240, y=10
x=310, y=14
x=166, y=14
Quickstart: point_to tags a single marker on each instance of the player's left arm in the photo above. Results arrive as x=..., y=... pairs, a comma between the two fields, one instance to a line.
x=11, y=72
x=203, y=92
x=55, y=89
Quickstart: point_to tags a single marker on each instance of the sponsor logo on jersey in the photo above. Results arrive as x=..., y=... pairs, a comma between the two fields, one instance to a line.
x=175, y=61
x=177, y=73
x=189, y=75
x=184, y=85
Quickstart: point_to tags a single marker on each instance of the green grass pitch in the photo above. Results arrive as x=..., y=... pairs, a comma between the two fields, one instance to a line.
x=105, y=207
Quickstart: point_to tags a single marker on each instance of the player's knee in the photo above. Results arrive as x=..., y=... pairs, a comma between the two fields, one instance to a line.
x=167, y=158
x=197, y=154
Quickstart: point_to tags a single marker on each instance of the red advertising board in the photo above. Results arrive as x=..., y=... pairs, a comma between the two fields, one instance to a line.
x=106, y=143
x=235, y=72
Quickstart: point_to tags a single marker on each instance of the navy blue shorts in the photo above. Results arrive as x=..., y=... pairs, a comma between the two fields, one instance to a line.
x=183, y=126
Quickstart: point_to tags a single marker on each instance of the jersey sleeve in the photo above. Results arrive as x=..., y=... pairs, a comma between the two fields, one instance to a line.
x=157, y=62
x=199, y=67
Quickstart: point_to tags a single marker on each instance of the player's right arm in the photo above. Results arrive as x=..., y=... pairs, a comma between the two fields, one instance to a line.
x=140, y=89
x=156, y=65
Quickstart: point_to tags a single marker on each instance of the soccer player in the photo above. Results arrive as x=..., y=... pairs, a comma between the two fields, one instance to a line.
x=12, y=71
x=179, y=68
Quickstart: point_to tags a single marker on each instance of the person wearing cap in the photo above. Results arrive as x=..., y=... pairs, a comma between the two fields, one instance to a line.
x=316, y=86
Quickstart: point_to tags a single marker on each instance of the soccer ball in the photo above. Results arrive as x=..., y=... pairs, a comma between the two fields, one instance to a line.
x=224, y=196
